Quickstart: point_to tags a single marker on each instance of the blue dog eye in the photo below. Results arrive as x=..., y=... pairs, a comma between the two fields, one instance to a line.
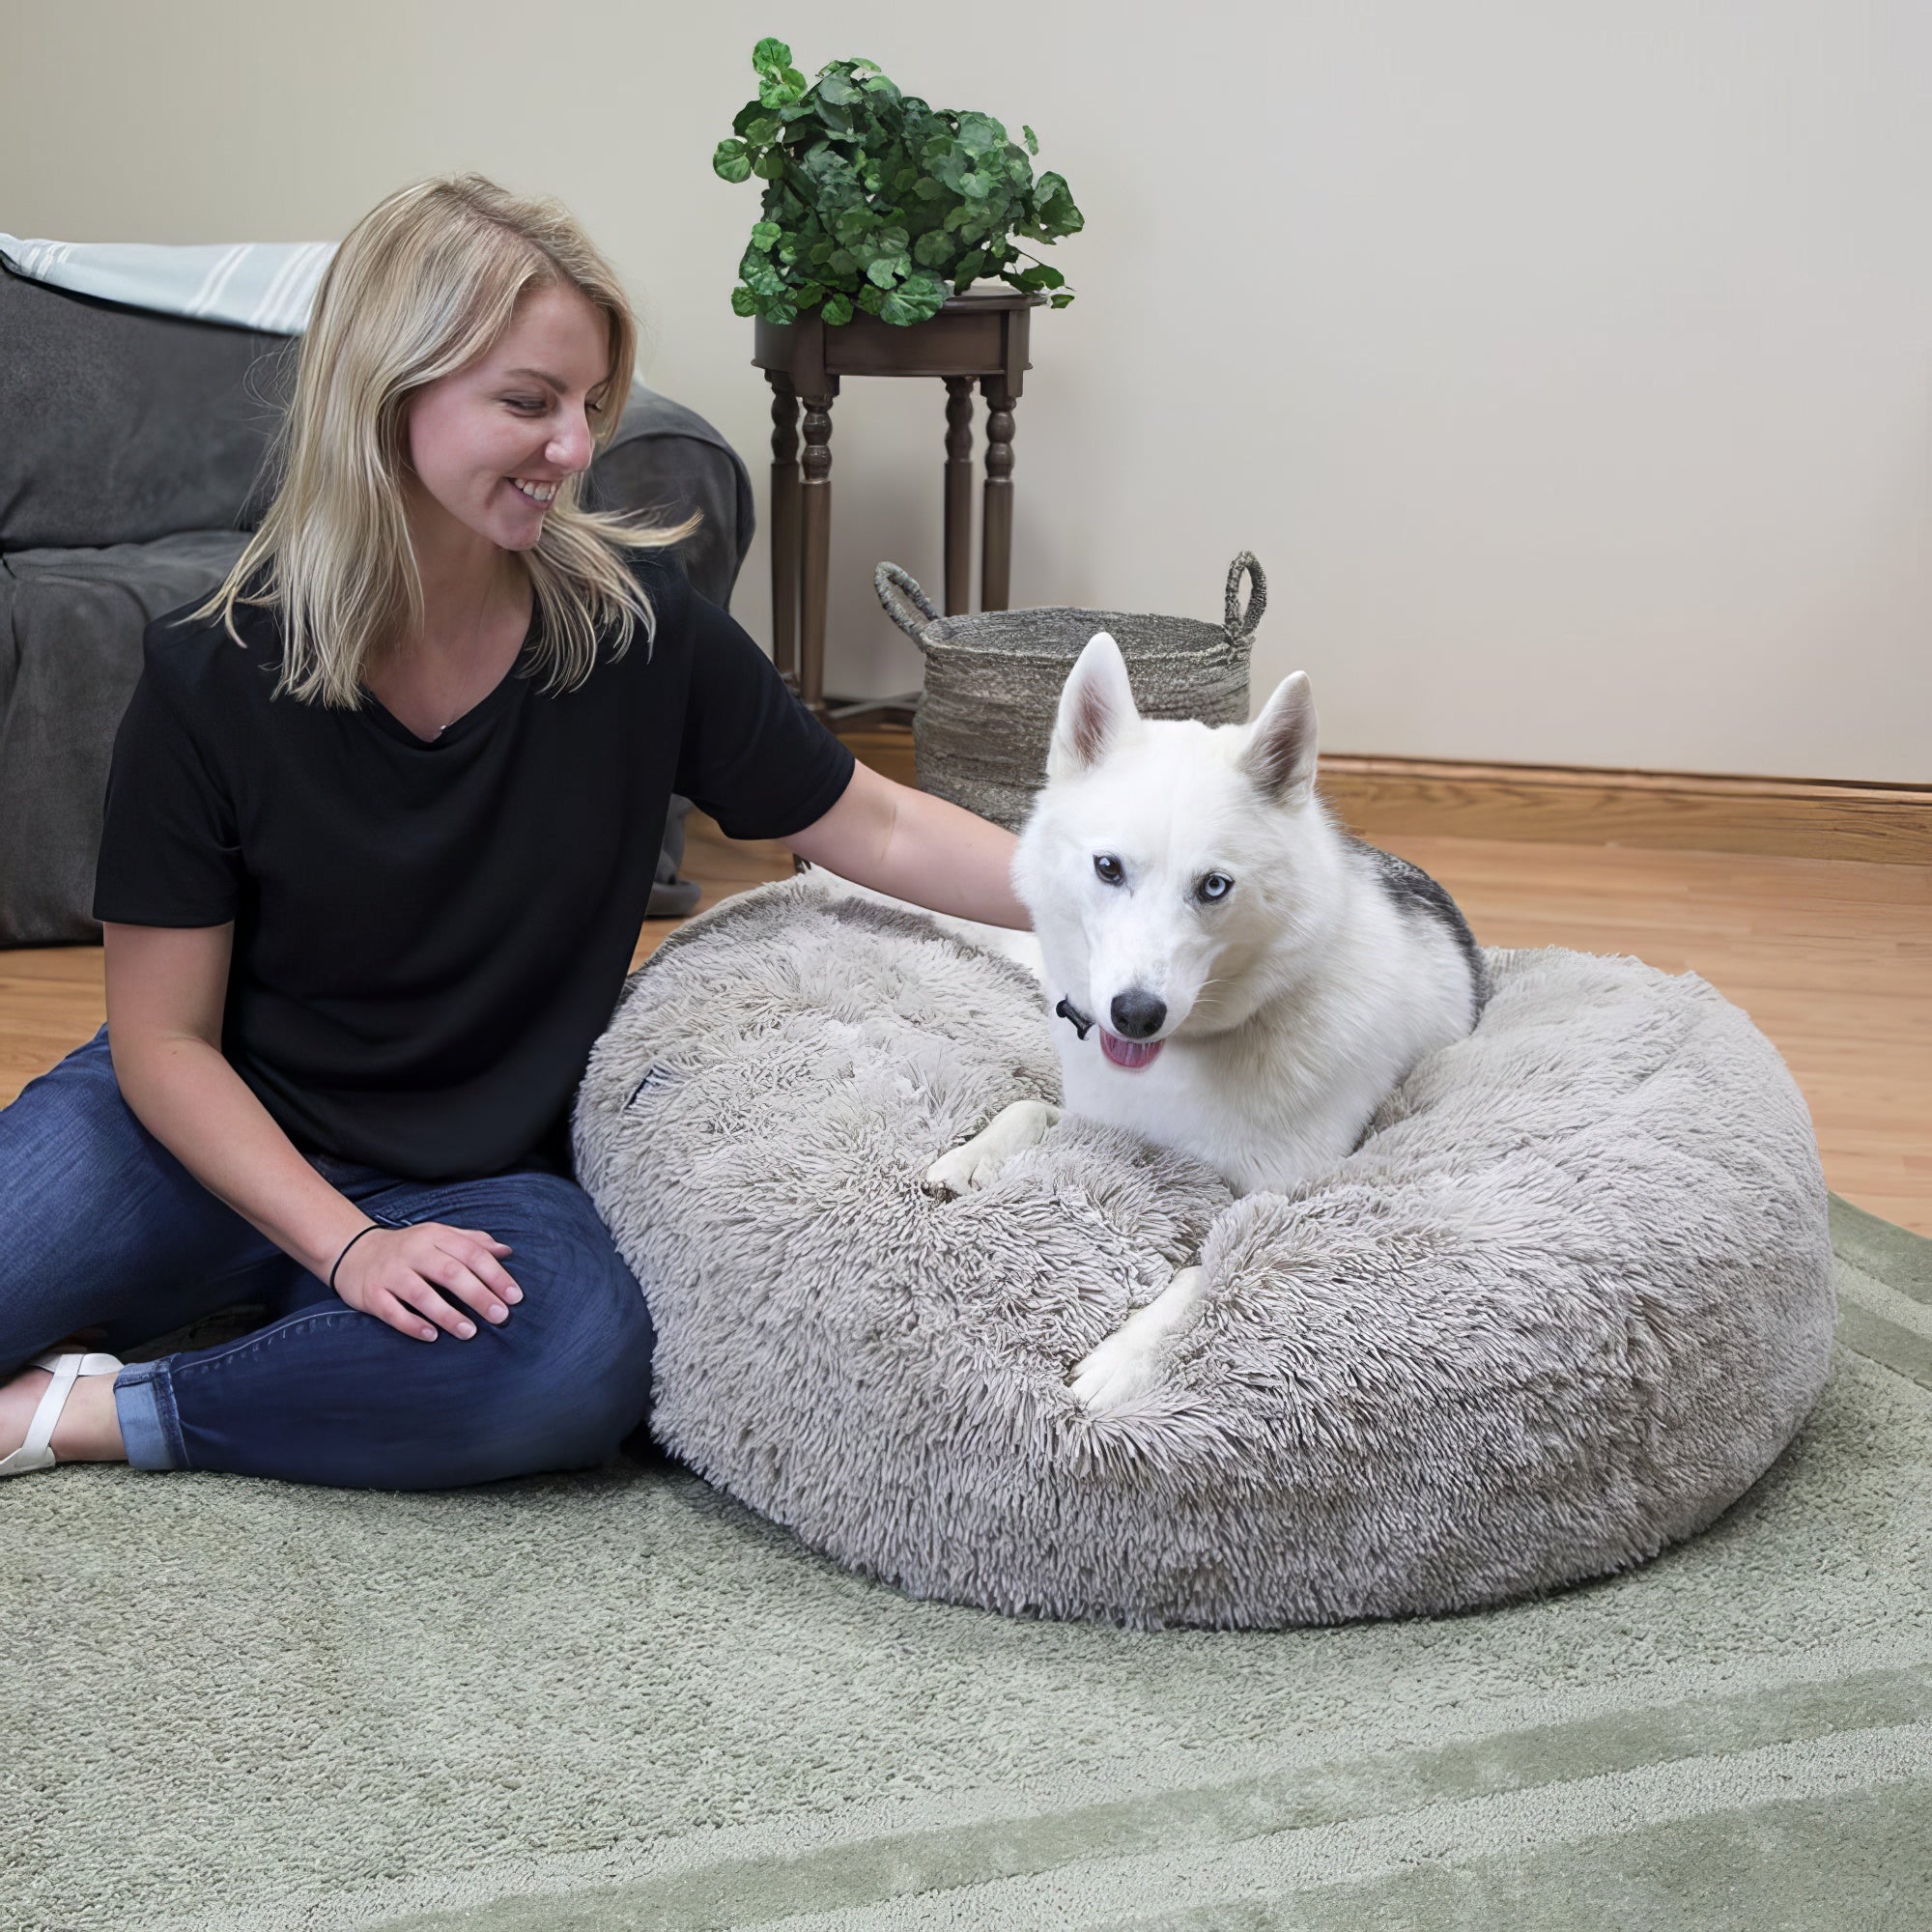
x=1215, y=886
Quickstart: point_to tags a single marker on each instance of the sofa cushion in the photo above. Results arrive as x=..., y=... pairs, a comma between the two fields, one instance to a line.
x=121, y=426
x=71, y=628
x=664, y=462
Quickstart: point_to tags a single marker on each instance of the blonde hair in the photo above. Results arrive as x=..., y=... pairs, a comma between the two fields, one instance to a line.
x=423, y=284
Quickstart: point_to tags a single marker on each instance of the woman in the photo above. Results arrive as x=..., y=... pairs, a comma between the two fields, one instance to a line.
x=369, y=894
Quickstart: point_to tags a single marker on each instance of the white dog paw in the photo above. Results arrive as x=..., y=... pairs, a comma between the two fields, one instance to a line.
x=1128, y=1362
x=1121, y=1368
x=965, y=1167
x=978, y=1163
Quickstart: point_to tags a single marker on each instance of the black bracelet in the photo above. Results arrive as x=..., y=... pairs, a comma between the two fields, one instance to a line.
x=346, y=1246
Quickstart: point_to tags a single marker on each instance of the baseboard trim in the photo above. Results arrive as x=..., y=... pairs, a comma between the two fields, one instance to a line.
x=1801, y=818
x=1805, y=819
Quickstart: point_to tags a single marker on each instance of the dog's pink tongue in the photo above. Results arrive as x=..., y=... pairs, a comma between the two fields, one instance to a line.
x=1129, y=1052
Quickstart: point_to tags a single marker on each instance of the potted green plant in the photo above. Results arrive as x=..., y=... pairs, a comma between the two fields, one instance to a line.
x=874, y=200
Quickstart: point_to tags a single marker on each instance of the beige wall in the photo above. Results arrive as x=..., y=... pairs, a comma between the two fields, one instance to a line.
x=1568, y=367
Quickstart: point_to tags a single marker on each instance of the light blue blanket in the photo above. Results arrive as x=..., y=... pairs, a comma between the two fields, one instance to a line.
x=265, y=285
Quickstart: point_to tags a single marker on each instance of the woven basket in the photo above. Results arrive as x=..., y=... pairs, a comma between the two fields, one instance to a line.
x=992, y=682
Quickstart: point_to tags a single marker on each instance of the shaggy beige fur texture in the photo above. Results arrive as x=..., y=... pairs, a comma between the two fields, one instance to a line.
x=1565, y=1304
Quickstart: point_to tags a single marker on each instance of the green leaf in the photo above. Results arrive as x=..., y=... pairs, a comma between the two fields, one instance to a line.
x=980, y=134
x=1054, y=208
x=835, y=87
x=771, y=56
x=782, y=311
x=744, y=302
x=946, y=159
x=919, y=301
x=933, y=247
x=1057, y=302
x=768, y=282
x=770, y=165
x=729, y=162
x=886, y=269
x=869, y=298
x=837, y=311
x=764, y=234
x=830, y=172
x=1033, y=146
x=761, y=128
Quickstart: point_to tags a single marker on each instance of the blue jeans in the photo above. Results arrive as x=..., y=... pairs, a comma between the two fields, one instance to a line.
x=101, y=1225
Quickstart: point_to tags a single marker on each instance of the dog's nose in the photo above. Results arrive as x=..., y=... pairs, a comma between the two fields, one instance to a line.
x=1137, y=1015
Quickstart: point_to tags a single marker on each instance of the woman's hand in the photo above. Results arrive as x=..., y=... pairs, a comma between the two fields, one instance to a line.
x=395, y=1273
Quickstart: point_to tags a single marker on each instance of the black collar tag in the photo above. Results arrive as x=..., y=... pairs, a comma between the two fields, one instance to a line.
x=1067, y=1010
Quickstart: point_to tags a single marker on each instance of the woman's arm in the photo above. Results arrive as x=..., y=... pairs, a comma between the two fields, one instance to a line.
x=916, y=847
x=166, y=986
x=167, y=989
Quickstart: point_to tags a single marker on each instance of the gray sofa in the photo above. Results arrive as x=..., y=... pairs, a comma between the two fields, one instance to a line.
x=132, y=469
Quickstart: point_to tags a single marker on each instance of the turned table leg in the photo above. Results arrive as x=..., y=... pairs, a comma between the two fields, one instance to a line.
x=958, y=493
x=784, y=526
x=815, y=532
x=996, y=534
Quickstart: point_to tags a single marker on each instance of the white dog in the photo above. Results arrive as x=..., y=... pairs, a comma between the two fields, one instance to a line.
x=1231, y=974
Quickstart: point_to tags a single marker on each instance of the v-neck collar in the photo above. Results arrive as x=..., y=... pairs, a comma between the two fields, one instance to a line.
x=474, y=719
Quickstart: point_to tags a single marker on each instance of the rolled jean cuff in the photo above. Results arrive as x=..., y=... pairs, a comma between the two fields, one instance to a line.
x=144, y=1401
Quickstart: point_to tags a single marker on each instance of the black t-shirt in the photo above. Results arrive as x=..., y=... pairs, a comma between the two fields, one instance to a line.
x=430, y=936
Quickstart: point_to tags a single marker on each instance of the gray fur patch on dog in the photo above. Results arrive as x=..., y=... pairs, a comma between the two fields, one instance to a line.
x=1568, y=1300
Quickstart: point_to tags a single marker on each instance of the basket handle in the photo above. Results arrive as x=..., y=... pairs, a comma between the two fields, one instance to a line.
x=899, y=592
x=1239, y=623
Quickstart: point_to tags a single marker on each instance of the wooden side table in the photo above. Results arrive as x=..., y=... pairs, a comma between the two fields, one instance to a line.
x=978, y=336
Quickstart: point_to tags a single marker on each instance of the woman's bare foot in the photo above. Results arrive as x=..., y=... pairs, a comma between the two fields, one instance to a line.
x=89, y=1429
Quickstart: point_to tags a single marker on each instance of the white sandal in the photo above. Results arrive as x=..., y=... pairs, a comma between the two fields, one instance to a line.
x=34, y=1453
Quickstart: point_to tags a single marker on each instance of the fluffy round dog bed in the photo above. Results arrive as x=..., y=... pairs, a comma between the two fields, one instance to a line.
x=1566, y=1301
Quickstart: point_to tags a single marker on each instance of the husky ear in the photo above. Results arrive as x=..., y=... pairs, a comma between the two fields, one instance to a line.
x=1279, y=756
x=1097, y=709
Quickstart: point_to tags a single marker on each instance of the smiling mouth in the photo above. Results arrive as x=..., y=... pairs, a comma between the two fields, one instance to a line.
x=1130, y=1053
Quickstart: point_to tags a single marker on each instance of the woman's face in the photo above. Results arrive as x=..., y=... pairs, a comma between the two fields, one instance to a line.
x=522, y=411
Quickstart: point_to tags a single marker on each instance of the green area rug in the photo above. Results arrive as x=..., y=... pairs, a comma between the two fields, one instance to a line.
x=618, y=1699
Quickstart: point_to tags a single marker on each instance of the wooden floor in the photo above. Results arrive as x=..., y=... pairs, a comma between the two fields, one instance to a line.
x=1832, y=959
